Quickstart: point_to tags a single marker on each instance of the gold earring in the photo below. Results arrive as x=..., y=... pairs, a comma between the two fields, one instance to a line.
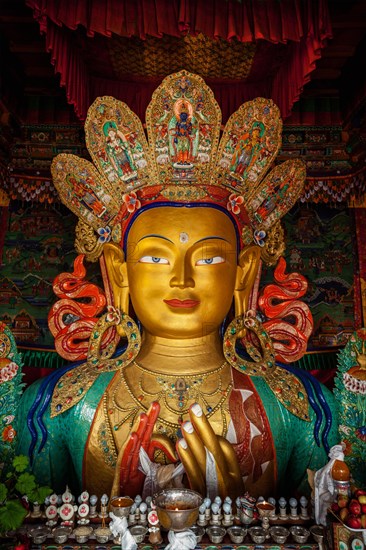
x=74, y=384
x=260, y=363
x=101, y=361
x=287, y=388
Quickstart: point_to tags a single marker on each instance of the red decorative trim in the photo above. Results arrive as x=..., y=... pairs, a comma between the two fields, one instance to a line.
x=348, y=188
x=72, y=337
x=251, y=452
x=345, y=189
x=280, y=302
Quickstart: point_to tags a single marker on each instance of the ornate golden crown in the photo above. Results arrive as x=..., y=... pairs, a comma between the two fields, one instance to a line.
x=182, y=162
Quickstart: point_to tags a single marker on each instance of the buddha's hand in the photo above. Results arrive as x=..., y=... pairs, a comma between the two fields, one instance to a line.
x=201, y=447
x=142, y=436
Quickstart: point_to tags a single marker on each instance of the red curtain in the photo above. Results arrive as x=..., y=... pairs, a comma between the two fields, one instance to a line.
x=303, y=26
x=247, y=20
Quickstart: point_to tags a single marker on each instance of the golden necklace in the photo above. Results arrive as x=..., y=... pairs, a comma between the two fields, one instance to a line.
x=175, y=395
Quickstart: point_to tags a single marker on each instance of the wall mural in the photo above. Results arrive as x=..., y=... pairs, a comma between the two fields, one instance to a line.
x=39, y=244
x=319, y=244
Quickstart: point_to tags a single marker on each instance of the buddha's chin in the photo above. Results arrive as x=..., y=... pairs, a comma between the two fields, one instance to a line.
x=181, y=321
x=185, y=338
x=182, y=329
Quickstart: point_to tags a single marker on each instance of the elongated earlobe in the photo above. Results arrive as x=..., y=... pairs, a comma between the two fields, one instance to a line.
x=117, y=276
x=248, y=265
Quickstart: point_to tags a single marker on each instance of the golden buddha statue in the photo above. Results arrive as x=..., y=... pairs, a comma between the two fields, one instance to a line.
x=180, y=242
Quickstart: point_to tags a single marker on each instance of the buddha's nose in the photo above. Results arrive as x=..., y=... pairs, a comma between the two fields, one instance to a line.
x=182, y=275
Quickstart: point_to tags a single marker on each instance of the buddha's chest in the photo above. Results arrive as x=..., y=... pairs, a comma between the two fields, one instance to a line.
x=130, y=395
x=236, y=414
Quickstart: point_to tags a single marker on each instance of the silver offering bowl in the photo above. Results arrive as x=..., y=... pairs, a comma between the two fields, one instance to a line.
x=216, y=533
x=121, y=506
x=265, y=509
x=198, y=532
x=177, y=509
x=39, y=534
x=279, y=534
x=102, y=534
x=138, y=532
x=299, y=534
x=257, y=534
x=61, y=533
x=236, y=534
x=82, y=533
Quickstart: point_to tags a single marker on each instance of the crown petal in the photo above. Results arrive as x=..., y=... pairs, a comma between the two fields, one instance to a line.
x=80, y=186
x=250, y=143
x=183, y=123
x=277, y=193
x=117, y=144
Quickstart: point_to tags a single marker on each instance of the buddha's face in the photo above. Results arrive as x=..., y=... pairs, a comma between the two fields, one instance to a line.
x=181, y=266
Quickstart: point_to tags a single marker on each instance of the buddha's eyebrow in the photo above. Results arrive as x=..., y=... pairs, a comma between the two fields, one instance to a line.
x=154, y=235
x=212, y=237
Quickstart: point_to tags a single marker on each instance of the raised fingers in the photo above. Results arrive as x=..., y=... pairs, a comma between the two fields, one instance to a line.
x=151, y=417
x=195, y=444
x=208, y=437
x=125, y=466
x=192, y=468
x=236, y=485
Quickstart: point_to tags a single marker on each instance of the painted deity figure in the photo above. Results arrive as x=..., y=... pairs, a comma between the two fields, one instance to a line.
x=181, y=390
x=269, y=203
x=118, y=150
x=183, y=133
x=84, y=195
x=248, y=145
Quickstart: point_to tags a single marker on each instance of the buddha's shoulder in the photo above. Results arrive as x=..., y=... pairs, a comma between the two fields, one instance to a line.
x=291, y=389
x=309, y=382
x=44, y=391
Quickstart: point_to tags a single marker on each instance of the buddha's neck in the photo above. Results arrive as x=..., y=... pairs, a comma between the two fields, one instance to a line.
x=167, y=355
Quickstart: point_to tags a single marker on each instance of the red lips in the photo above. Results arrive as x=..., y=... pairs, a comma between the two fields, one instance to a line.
x=182, y=303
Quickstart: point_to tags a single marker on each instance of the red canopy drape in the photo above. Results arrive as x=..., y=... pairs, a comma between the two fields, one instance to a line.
x=303, y=26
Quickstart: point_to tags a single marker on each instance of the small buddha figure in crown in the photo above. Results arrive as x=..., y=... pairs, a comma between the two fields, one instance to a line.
x=195, y=384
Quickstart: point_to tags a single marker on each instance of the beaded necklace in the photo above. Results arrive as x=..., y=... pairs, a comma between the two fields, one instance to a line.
x=174, y=393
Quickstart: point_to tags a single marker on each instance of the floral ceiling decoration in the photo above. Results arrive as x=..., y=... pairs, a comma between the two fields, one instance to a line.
x=211, y=58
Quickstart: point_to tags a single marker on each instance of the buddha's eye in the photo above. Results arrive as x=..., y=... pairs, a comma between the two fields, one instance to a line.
x=210, y=261
x=153, y=260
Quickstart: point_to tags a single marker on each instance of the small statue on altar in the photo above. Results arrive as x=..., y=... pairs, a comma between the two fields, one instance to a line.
x=350, y=392
x=325, y=483
x=198, y=382
x=154, y=527
x=104, y=506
